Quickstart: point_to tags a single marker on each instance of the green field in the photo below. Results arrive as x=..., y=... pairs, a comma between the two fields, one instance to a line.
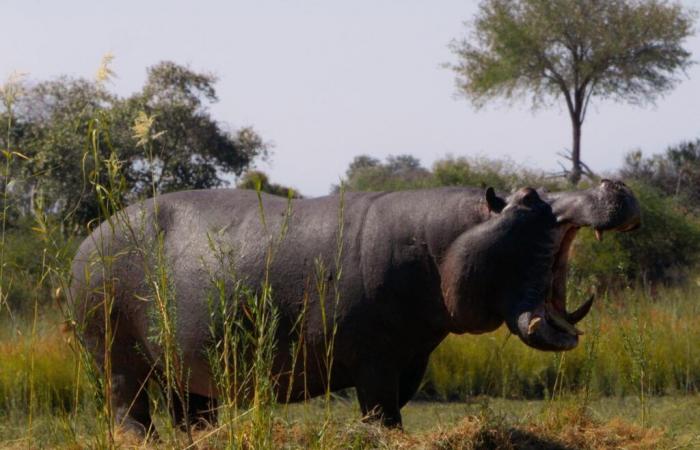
x=674, y=422
x=632, y=383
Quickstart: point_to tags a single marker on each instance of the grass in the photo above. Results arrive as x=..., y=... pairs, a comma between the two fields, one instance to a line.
x=45, y=368
x=635, y=344
x=606, y=423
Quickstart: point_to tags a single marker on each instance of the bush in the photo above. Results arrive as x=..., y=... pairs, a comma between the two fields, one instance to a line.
x=676, y=172
x=255, y=179
x=405, y=172
x=26, y=261
x=501, y=174
x=662, y=250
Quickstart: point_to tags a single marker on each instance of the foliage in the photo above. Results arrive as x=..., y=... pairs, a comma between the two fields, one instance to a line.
x=676, y=173
x=366, y=173
x=255, y=179
x=52, y=122
x=625, y=50
x=502, y=174
x=190, y=149
x=662, y=250
x=405, y=172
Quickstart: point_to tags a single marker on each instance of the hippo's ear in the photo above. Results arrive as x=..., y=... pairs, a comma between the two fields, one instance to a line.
x=494, y=202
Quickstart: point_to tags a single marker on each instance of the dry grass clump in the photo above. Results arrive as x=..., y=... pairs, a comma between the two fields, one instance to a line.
x=615, y=434
x=572, y=431
x=475, y=433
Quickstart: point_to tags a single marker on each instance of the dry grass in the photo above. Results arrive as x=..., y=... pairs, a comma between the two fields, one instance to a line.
x=471, y=433
x=474, y=433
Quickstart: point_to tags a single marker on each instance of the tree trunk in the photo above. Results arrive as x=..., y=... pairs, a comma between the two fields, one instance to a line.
x=575, y=175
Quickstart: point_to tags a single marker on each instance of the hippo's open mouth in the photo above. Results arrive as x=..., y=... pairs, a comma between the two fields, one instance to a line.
x=555, y=309
x=610, y=206
x=550, y=326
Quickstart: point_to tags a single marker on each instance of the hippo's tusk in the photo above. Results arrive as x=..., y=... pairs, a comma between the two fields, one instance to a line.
x=576, y=316
x=598, y=235
x=560, y=322
x=534, y=325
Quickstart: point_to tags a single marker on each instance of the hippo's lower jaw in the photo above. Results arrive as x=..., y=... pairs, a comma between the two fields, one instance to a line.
x=544, y=322
x=549, y=326
x=539, y=332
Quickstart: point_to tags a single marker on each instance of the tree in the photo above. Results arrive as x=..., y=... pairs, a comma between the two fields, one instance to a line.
x=624, y=50
x=54, y=116
x=192, y=149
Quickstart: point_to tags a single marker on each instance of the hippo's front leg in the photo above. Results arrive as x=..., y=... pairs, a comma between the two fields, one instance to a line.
x=377, y=387
x=410, y=379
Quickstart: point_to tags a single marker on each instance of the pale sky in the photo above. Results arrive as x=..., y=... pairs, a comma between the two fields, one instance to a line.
x=327, y=80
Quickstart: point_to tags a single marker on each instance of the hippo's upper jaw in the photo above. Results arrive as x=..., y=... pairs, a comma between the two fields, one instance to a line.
x=610, y=206
x=546, y=324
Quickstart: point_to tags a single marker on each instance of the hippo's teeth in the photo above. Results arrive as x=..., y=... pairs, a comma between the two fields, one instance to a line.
x=560, y=322
x=599, y=235
x=576, y=316
x=534, y=325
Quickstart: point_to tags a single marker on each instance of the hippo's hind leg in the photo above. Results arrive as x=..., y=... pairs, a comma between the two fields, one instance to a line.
x=410, y=379
x=377, y=388
x=130, y=402
x=129, y=372
x=201, y=411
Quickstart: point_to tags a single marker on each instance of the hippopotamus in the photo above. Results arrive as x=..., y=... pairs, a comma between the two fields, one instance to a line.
x=402, y=271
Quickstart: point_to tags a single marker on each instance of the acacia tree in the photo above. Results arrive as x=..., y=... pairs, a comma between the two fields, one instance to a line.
x=624, y=50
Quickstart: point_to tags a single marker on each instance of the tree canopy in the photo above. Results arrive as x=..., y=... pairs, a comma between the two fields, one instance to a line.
x=188, y=148
x=623, y=50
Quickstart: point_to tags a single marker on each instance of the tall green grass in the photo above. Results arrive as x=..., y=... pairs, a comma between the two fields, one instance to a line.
x=635, y=344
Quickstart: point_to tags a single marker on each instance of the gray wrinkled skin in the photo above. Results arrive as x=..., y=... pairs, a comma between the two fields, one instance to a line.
x=416, y=265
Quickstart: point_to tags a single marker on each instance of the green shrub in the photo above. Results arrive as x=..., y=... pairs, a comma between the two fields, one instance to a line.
x=501, y=174
x=27, y=259
x=405, y=172
x=664, y=249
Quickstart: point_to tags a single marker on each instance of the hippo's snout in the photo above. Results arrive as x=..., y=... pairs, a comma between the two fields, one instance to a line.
x=619, y=208
x=610, y=206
